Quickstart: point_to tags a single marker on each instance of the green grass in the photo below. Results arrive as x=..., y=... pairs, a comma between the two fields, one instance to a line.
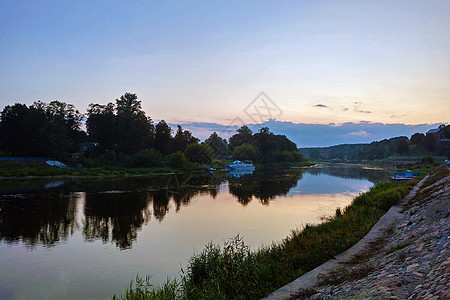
x=142, y=289
x=233, y=271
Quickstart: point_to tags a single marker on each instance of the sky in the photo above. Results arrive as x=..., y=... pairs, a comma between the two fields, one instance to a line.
x=317, y=62
x=316, y=135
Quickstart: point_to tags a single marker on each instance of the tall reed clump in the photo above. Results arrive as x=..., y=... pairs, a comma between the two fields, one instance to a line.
x=143, y=289
x=235, y=272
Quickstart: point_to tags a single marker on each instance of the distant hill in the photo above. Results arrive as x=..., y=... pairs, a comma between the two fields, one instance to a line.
x=344, y=151
x=419, y=145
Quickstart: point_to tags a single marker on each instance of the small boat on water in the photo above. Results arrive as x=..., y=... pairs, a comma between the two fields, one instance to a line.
x=239, y=165
x=399, y=176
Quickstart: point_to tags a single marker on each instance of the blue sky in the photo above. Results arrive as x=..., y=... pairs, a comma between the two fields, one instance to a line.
x=321, y=62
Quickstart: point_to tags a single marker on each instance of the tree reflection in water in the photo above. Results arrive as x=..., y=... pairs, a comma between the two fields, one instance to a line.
x=263, y=186
x=116, y=210
x=115, y=217
x=45, y=218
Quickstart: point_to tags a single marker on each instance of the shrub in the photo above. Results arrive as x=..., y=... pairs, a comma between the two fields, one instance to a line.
x=245, y=152
x=199, y=153
x=146, y=158
x=177, y=160
x=388, y=198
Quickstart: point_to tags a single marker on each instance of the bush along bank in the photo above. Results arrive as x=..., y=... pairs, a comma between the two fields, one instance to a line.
x=235, y=272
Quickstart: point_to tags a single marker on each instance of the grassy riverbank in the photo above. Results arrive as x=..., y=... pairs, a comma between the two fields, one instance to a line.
x=39, y=169
x=235, y=272
x=15, y=170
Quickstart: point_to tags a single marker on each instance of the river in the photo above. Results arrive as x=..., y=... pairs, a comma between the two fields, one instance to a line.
x=84, y=239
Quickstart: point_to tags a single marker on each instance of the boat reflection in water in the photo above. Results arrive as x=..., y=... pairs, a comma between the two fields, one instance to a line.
x=240, y=172
x=239, y=165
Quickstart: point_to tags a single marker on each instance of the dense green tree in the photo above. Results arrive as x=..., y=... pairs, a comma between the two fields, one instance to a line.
x=199, y=153
x=402, y=145
x=417, y=138
x=218, y=144
x=246, y=152
x=134, y=129
x=177, y=160
x=182, y=139
x=16, y=128
x=244, y=136
x=269, y=147
x=123, y=126
x=40, y=130
x=101, y=125
x=178, y=140
x=64, y=125
x=163, y=137
x=145, y=158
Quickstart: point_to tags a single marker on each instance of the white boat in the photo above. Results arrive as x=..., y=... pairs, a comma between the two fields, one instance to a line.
x=239, y=165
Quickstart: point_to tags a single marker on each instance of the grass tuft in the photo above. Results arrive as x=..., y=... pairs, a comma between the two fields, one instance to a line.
x=143, y=289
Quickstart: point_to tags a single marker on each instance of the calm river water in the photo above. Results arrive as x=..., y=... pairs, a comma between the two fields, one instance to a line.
x=88, y=239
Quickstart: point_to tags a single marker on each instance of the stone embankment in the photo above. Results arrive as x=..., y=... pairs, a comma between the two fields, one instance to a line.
x=406, y=255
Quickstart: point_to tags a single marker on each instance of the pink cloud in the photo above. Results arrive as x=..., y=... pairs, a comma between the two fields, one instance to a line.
x=358, y=133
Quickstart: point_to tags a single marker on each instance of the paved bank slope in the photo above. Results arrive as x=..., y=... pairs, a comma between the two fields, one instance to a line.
x=406, y=255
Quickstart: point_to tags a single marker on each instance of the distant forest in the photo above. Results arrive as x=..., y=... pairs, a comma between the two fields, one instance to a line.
x=121, y=134
x=418, y=145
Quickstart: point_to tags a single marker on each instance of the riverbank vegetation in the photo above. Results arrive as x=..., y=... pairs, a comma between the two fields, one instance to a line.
x=234, y=271
x=121, y=136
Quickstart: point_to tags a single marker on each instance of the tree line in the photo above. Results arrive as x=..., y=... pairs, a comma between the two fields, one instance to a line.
x=120, y=133
x=418, y=145
x=41, y=129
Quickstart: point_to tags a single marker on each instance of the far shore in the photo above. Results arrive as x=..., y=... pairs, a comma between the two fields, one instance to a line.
x=97, y=173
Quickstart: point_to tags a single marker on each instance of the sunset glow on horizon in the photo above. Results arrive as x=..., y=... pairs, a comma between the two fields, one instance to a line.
x=321, y=62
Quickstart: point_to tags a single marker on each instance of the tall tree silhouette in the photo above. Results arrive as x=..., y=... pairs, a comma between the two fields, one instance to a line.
x=163, y=137
x=134, y=129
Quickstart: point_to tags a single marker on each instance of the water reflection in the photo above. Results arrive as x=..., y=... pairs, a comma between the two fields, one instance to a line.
x=42, y=218
x=240, y=173
x=114, y=211
x=350, y=172
x=115, y=217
